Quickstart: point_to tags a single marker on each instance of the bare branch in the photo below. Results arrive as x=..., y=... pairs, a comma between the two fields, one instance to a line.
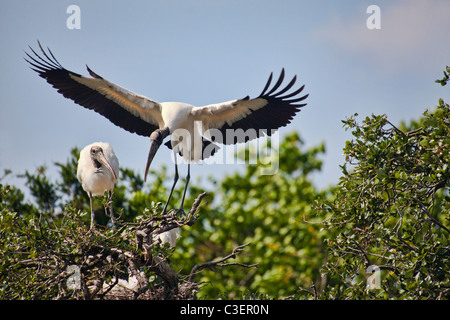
x=221, y=262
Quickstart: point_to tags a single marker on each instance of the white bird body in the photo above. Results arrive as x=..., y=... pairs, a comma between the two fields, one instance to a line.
x=170, y=237
x=272, y=109
x=97, y=180
x=186, y=130
x=176, y=115
x=98, y=171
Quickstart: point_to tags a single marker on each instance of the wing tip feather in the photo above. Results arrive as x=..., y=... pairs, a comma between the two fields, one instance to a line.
x=272, y=94
x=93, y=74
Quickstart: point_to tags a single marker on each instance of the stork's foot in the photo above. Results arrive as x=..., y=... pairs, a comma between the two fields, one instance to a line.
x=181, y=211
x=92, y=230
x=175, y=212
x=92, y=227
x=111, y=223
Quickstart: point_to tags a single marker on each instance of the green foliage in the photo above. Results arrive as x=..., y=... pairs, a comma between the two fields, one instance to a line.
x=446, y=77
x=270, y=212
x=37, y=252
x=391, y=208
x=40, y=241
x=39, y=249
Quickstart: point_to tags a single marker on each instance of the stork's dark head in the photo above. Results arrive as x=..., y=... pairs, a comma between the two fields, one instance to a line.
x=99, y=159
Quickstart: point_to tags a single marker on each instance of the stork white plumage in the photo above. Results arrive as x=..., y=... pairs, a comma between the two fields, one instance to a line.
x=135, y=113
x=170, y=237
x=98, y=171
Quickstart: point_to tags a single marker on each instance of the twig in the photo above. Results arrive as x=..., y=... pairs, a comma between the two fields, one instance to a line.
x=220, y=262
x=313, y=291
x=397, y=129
x=195, y=207
x=368, y=263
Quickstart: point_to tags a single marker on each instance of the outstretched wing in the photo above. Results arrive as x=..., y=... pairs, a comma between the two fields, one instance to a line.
x=126, y=109
x=270, y=111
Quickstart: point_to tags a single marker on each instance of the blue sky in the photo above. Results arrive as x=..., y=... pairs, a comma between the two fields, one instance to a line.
x=203, y=52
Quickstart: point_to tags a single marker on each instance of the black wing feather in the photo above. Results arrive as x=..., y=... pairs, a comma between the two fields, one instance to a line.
x=59, y=77
x=278, y=112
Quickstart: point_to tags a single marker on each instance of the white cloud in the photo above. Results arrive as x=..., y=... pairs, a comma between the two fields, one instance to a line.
x=414, y=34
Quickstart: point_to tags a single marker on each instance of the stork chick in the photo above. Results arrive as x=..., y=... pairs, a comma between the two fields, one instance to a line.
x=98, y=171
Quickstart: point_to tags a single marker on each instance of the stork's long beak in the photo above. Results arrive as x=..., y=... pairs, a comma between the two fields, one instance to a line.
x=154, y=146
x=156, y=138
x=102, y=159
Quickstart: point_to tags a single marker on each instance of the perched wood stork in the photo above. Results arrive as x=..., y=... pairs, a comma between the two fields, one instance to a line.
x=98, y=171
x=272, y=109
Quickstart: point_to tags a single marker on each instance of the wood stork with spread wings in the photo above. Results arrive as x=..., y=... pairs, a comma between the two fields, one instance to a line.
x=98, y=171
x=272, y=109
